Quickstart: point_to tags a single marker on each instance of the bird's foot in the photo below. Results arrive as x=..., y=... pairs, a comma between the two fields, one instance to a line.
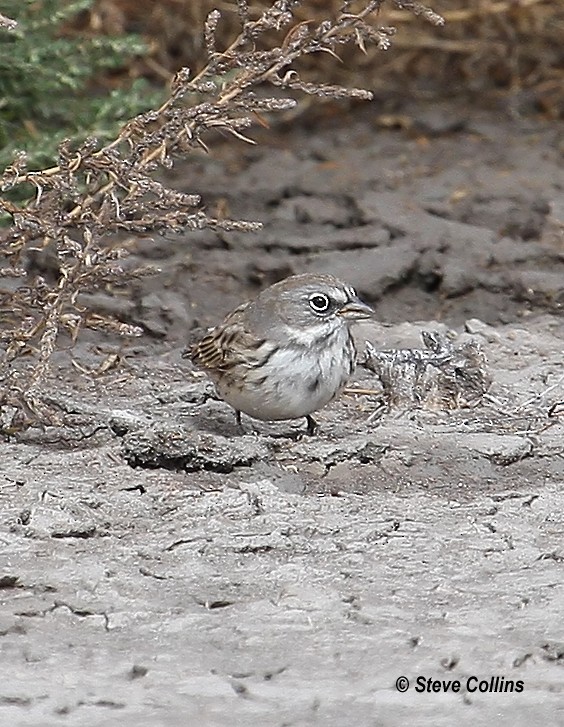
x=312, y=425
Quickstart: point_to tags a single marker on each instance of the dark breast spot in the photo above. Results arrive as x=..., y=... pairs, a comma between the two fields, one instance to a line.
x=313, y=385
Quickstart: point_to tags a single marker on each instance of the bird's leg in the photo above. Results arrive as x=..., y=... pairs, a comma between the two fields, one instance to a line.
x=311, y=425
x=238, y=420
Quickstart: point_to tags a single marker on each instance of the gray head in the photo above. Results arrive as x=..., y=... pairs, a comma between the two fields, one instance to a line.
x=308, y=303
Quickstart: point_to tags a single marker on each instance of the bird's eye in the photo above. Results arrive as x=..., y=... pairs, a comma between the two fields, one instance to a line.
x=319, y=303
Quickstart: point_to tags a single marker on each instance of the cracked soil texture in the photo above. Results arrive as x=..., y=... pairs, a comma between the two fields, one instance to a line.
x=160, y=569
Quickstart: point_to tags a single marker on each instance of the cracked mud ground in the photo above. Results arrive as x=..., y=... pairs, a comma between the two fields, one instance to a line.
x=159, y=568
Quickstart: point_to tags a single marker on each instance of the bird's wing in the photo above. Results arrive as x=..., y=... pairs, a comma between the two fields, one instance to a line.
x=224, y=346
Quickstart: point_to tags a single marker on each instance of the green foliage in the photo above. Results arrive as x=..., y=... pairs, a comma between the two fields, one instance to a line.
x=47, y=79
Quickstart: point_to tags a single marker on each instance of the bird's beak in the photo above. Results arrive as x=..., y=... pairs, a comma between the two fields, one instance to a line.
x=356, y=310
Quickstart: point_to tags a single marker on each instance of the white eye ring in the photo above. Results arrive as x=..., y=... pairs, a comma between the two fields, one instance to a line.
x=319, y=302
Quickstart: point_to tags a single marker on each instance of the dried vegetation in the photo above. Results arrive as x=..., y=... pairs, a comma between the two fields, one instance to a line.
x=83, y=207
x=509, y=49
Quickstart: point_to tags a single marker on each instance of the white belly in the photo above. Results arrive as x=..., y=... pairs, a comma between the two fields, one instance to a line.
x=293, y=382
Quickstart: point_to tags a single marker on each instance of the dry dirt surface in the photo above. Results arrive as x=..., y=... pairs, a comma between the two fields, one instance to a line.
x=158, y=568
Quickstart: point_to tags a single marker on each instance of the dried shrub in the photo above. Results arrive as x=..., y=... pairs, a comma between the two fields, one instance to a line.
x=509, y=48
x=501, y=46
x=95, y=194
